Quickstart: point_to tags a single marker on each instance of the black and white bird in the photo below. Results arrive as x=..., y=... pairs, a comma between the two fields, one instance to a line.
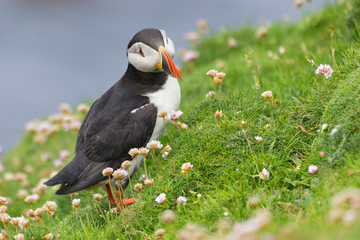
x=125, y=116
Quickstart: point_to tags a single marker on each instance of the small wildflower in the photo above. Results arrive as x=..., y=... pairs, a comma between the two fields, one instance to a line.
x=49, y=236
x=160, y=233
x=324, y=127
x=221, y=75
x=142, y=178
x=254, y=201
x=65, y=108
x=217, y=80
x=161, y=198
x=259, y=139
x=218, y=114
x=58, y=163
x=64, y=154
x=154, y=144
x=282, y=50
x=19, y=236
x=107, y=171
x=188, y=55
x=210, y=95
x=168, y=216
x=186, y=167
x=149, y=181
x=267, y=94
x=162, y=114
x=264, y=174
x=201, y=26
x=143, y=151
x=192, y=37
x=243, y=123
x=83, y=108
x=198, y=195
x=23, y=222
x=165, y=154
x=97, y=197
x=313, y=169
x=120, y=174
x=322, y=154
x=298, y=3
x=76, y=203
x=191, y=231
x=182, y=200
x=126, y=164
x=174, y=116
x=134, y=152
x=183, y=126
x=32, y=198
x=14, y=221
x=138, y=187
x=261, y=32
x=4, y=234
x=324, y=70
x=226, y=213
x=50, y=207
x=211, y=73
x=5, y=218
x=167, y=148
x=232, y=43
x=3, y=209
x=3, y=201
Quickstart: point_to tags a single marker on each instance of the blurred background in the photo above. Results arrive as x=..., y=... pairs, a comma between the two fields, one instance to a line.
x=74, y=50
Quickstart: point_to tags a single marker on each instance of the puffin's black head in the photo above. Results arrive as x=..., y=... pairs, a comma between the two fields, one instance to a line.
x=151, y=51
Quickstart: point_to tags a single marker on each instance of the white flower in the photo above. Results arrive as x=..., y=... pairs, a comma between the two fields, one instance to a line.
x=313, y=169
x=259, y=139
x=182, y=200
x=126, y=164
x=75, y=203
x=97, y=197
x=161, y=198
x=120, y=174
x=186, y=167
x=267, y=94
x=165, y=154
x=154, y=144
x=174, y=116
x=211, y=73
x=50, y=207
x=281, y=50
x=107, y=171
x=210, y=95
x=133, y=152
x=324, y=70
x=23, y=222
x=264, y=174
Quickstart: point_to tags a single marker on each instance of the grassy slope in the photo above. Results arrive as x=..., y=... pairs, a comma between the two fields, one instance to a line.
x=225, y=159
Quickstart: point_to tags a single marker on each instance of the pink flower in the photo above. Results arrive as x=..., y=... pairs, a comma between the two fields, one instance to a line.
x=182, y=200
x=322, y=154
x=189, y=55
x=264, y=174
x=161, y=198
x=64, y=154
x=313, y=169
x=325, y=70
x=174, y=116
x=154, y=144
x=58, y=163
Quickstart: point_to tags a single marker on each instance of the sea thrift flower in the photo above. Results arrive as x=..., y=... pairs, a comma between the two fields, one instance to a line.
x=119, y=174
x=188, y=55
x=49, y=236
x=282, y=50
x=14, y=221
x=134, y=152
x=19, y=236
x=191, y=231
x=259, y=139
x=217, y=80
x=50, y=208
x=186, y=167
x=161, y=198
x=183, y=126
x=32, y=198
x=168, y=216
x=138, y=187
x=243, y=123
x=298, y=3
x=107, y=171
x=154, y=144
x=267, y=94
x=165, y=154
x=75, y=204
x=261, y=32
x=97, y=197
x=160, y=233
x=211, y=73
x=324, y=70
x=162, y=114
x=3, y=209
x=126, y=164
x=65, y=108
x=322, y=154
x=174, y=116
x=142, y=178
x=58, y=163
x=264, y=174
x=3, y=201
x=313, y=169
x=143, y=151
x=5, y=218
x=83, y=108
x=192, y=37
x=221, y=75
x=149, y=181
x=232, y=43
x=210, y=95
x=182, y=200
x=64, y=154
x=218, y=114
x=167, y=148
x=23, y=222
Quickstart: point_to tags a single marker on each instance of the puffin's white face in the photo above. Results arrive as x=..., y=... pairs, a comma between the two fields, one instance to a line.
x=147, y=59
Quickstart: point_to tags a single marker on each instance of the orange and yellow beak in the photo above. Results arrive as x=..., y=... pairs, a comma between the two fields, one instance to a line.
x=167, y=65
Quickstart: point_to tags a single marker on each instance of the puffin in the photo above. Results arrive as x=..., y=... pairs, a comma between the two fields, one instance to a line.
x=125, y=116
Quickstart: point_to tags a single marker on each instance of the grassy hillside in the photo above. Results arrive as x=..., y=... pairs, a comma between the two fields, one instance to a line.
x=310, y=120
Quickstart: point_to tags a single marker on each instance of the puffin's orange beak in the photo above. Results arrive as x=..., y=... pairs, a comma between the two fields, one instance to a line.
x=167, y=65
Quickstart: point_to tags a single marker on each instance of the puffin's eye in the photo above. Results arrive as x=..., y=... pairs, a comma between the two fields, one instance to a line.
x=141, y=52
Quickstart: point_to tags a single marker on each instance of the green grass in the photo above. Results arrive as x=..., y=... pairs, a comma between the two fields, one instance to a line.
x=226, y=157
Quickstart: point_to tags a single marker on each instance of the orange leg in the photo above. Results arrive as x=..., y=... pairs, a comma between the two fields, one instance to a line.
x=109, y=193
x=123, y=202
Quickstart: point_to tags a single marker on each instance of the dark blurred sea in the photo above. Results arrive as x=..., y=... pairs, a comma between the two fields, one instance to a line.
x=73, y=50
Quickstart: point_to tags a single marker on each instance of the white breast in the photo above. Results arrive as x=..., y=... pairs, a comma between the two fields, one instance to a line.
x=166, y=99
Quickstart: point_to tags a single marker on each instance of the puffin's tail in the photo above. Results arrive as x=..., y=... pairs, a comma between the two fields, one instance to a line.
x=70, y=173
